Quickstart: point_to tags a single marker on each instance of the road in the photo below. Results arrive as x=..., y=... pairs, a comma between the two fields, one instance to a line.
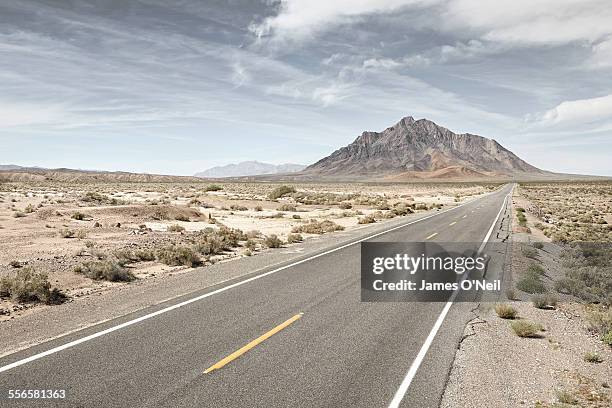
x=340, y=352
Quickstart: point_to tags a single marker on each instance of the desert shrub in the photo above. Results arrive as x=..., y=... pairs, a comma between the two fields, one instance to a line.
x=66, y=233
x=607, y=338
x=535, y=269
x=296, y=217
x=253, y=234
x=238, y=207
x=213, y=187
x=401, y=209
x=18, y=214
x=293, y=238
x=520, y=209
x=544, y=301
x=368, y=219
x=81, y=234
x=175, y=255
x=182, y=217
x=258, y=208
x=126, y=256
x=29, y=209
x=26, y=285
x=176, y=228
x=345, y=206
x=565, y=397
x=505, y=311
x=538, y=245
x=97, y=198
x=531, y=283
x=15, y=264
x=592, y=357
x=600, y=321
x=529, y=252
x=524, y=328
x=281, y=191
x=56, y=297
x=250, y=244
x=79, y=216
x=273, y=241
x=317, y=227
x=109, y=270
x=287, y=207
x=211, y=242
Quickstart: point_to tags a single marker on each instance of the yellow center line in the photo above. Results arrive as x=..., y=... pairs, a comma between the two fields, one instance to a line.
x=452, y=223
x=432, y=235
x=247, y=347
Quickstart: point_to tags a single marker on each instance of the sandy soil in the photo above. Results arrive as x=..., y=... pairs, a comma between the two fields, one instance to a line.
x=101, y=219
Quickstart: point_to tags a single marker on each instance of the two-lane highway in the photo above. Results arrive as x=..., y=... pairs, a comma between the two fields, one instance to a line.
x=338, y=352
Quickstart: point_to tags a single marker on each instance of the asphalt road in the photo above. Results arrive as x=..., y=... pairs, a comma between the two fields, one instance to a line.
x=341, y=352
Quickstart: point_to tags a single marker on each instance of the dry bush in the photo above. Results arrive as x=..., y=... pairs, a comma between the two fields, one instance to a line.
x=505, y=311
x=176, y=228
x=546, y=301
x=592, y=357
x=524, y=328
x=109, y=270
x=368, y=219
x=26, y=285
x=281, y=191
x=317, y=227
x=273, y=241
x=345, y=206
x=294, y=238
x=176, y=255
x=287, y=207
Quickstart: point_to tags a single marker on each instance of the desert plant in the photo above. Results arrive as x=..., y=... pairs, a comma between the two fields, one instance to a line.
x=29, y=209
x=18, y=214
x=213, y=187
x=317, y=227
x=105, y=270
x=592, y=357
x=531, y=283
x=81, y=234
x=273, y=241
x=236, y=207
x=345, y=206
x=15, y=264
x=538, y=245
x=287, y=207
x=66, y=233
x=293, y=238
x=545, y=301
x=79, y=216
x=182, y=217
x=258, y=208
x=607, y=338
x=26, y=285
x=565, y=397
x=175, y=255
x=505, y=311
x=176, y=228
x=281, y=191
x=368, y=219
x=250, y=244
x=536, y=269
x=524, y=328
x=529, y=252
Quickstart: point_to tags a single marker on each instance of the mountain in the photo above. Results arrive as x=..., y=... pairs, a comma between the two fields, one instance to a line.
x=420, y=149
x=10, y=173
x=249, y=168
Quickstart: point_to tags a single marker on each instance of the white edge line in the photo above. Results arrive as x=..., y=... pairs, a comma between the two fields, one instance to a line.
x=220, y=290
x=403, y=388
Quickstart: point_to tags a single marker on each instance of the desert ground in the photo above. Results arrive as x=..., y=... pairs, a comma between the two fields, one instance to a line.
x=550, y=343
x=63, y=240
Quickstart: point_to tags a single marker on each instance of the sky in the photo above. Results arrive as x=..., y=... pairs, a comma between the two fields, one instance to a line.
x=175, y=87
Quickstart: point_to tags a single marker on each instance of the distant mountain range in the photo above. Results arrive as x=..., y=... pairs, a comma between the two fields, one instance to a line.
x=420, y=149
x=249, y=168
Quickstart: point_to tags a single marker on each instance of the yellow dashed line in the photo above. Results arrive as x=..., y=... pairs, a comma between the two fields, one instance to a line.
x=432, y=235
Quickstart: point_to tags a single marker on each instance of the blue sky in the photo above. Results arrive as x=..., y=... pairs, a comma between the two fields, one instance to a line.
x=176, y=87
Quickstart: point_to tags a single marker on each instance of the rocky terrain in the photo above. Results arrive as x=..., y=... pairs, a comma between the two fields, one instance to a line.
x=420, y=149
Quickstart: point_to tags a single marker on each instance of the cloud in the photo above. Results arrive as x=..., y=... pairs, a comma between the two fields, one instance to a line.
x=532, y=22
x=578, y=111
x=300, y=19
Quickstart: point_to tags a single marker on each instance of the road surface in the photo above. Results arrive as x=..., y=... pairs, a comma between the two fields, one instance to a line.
x=339, y=352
